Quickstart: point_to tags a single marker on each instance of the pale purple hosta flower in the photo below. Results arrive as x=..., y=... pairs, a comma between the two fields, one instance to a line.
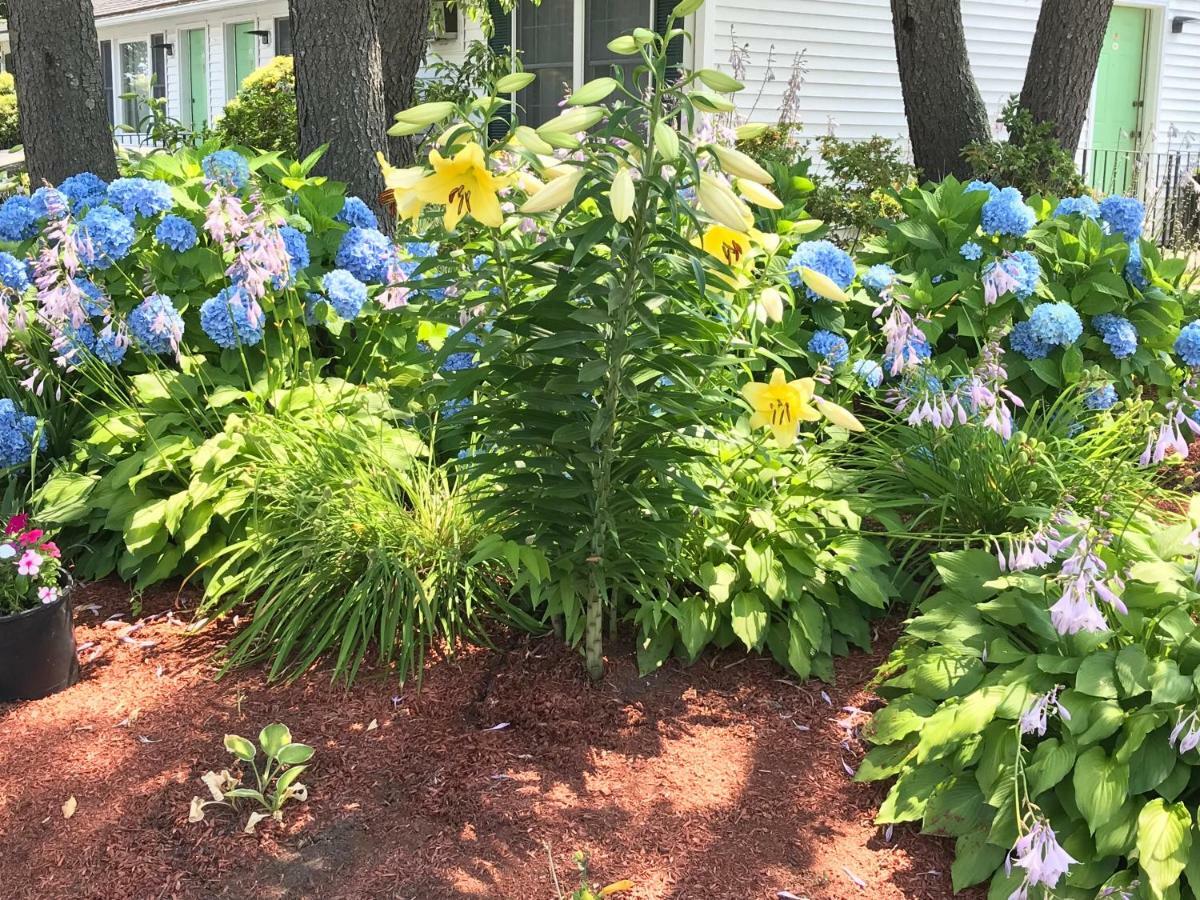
x=905, y=340
x=225, y=218
x=59, y=295
x=395, y=295
x=1171, y=438
x=1189, y=728
x=1036, y=718
x=1084, y=577
x=1037, y=851
x=998, y=281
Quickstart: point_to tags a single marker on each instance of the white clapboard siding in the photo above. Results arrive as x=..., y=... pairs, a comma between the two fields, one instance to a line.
x=1178, y=125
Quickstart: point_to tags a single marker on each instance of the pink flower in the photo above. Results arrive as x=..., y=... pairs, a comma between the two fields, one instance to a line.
x=30, y=538
x=51, y=550
x=17, y=524
x=47, y=594
x=29, y=564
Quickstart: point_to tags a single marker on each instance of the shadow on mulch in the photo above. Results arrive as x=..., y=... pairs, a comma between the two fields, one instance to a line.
x=723, y=781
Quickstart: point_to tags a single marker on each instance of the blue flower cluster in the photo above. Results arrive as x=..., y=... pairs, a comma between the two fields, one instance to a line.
x=18, y=219
x=1006, y=213
x=1023, y=341
x=868, y=372
x=990, y=189
x=140, y=196
x=1081, y=206
x=357, y=214
x=13, y=274
x=1118, y=332
x=1101, y=398
x=1187, y=345
x=176, y=233
x=156, y=324
x=833, y=348
x=971, y=251
x=17, y=431
x=109, y=346
x=95, y=304
x=879, y=278
x=84, y=191
x=296, y=243
x=366, y=253
x=1056, y=324
x=1135, y=268
x=1028, y=270
x=346, y=294
x=227, y=168
x=462, y=359
x=232, y=318
x=49, y=203
x=1124, y=216
x=821, y=256
x=108, y=237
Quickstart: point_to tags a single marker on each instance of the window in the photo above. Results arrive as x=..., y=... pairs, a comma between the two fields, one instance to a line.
x=135, y=81
x=283, y=36
x=241, y=55
x=158, y=64
x=106, y=67
x=565, y=43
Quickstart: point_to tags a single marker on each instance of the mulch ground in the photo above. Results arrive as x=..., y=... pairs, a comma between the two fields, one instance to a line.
x=723, y=780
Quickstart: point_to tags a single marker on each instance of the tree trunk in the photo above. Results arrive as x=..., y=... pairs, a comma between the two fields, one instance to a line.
x=403, y=37
x=1062, y=65
x=60, y=90
x=941, y=100
x=339, y=91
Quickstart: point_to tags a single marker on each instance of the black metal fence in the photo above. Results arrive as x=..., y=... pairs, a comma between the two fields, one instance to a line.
x=1168, y=183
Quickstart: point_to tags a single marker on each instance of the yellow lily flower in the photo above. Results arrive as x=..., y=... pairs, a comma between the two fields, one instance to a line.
x=782, y=405
x=464, y=186
x=400, y=196
x=732, y=247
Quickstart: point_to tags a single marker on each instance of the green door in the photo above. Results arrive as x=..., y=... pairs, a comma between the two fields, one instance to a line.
x=243, y=55
x=195, y=89
x=1120, y=93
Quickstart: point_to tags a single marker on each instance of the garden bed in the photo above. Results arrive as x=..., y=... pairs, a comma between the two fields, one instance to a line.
x=722, y=781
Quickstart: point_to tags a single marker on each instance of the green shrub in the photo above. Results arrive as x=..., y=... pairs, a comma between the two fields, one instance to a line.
x=263, y=114
x=1032, y=159
x=1000, y=723
x=776, y=145
x=858, y=192
x=10, y=124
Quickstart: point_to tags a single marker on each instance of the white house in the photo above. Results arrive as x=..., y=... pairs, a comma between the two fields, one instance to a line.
x=1147, y=95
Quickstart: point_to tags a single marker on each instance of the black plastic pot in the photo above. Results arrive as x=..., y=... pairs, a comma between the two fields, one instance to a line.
x=37, y=651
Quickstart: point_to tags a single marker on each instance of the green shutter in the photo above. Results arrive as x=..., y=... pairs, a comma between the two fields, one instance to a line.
x=500, y=43
x=662, y=12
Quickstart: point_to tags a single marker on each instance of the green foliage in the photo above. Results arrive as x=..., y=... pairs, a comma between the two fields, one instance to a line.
x=858, y=191
x=460, y=82
x=1104, y=771
x=263, y=114
x=776, y=145
x=10, y=124
x=275, y=781
x=1031, y=159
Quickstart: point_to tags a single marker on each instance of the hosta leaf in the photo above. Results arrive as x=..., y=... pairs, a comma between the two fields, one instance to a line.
x=1097, y=675
x=749, y=619
x=1101, y=786
x=1051, y=762
x=1164, y=842
x=975, y=860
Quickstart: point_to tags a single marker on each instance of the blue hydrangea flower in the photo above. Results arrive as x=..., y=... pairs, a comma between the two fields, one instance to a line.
x=50, y=203
x=140, y=196
x=156, y=325
x=420, y=249
x=366, y=253
x=986, y=186
x=1077, y=206
x=1124, y=216
x=821, y=256
x=108, y=237
x=227, y=168
x=13, y=273
x=1023, y=341
x=84, y=190
x=1028, y=271
x=879, y=277
x=1100, y=398
x=832, y=347
x=462, y=359
x=296, y=243
x=357, y=214
x=1056, y=324
x=17, y=431
x=1006, y=213
x=1187, y=345
x=971, y=251
x=232, y=318
x=346, y=294
x=868, y=372
x=1135, y=268
x=94, y=302
x=109, y=347
x=1118, y=332
x=18, y=219
x=177, y=233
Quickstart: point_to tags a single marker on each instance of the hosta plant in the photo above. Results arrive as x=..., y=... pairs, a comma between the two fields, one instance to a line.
x=275, y=777
x=1043, y=710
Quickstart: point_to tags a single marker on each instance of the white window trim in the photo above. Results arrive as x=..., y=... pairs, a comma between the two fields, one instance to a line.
x=120, y=86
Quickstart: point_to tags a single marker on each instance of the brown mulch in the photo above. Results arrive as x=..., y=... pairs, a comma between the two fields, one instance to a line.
x=723, y=780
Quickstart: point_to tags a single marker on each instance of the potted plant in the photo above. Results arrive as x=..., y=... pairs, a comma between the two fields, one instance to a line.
x=37, y=641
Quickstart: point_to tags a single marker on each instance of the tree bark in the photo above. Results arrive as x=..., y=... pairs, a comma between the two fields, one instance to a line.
x=339, y=91
x=403, y=37
x=1062, y=65
x=60, y=90
x=941, y=100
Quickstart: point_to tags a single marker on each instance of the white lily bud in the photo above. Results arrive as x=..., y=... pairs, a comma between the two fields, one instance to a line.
x=621, y=195
x=757, y=194
x=735, y=162
x=723, y=204
x=556, y=194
